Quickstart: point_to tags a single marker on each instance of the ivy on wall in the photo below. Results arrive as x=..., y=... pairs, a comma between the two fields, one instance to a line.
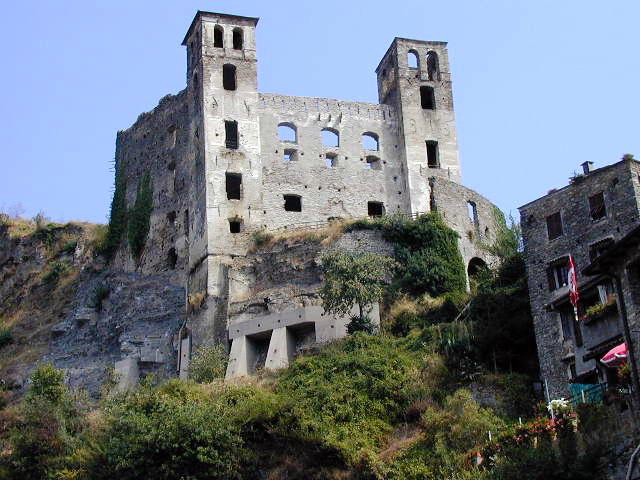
x=118, y=213
x=139, y=216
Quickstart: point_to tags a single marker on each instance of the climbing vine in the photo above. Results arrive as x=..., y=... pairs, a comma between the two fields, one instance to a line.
x=139, y=216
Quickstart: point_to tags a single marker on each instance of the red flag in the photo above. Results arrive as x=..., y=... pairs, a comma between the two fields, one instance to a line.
x=572, y=280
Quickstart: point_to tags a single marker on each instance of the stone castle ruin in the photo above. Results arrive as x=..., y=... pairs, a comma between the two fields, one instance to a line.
x=226, y=161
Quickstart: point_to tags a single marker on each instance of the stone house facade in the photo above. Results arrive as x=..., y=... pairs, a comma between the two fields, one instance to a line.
x=227, y=161
x=581, y=220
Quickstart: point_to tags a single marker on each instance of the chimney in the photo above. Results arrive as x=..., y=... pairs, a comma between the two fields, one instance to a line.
x=587, y=167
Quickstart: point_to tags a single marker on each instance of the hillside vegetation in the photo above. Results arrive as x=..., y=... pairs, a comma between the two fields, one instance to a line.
x=415, y=401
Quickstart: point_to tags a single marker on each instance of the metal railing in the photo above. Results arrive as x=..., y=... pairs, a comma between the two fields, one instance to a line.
x=588, y=393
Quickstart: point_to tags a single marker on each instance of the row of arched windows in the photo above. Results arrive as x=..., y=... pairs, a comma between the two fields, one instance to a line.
x=433, y=68
x=218, y=37
x=287, y=132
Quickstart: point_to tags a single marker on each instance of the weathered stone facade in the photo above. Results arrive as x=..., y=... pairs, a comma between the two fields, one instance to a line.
x=598, y=207
x=222, y=169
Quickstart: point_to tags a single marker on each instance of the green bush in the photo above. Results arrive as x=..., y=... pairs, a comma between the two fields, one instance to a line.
x=208, y=364
x=47, y=382
x=6, y=335
x=360, y=324
x=139, y=216
x=69, y=247
x=57, y=270
x=346, y=396
x=261, y=237
x=175, y=431
x=99, y=295
x=117, y=216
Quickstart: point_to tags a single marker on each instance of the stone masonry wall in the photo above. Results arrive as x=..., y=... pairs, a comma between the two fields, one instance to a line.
x=619, y=182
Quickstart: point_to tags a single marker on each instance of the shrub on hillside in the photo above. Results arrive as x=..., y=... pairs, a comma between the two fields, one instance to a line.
x=139, y=216
x=208, y=364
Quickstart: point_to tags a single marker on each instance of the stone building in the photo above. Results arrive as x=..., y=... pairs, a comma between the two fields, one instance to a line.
x=582, y=219
x=226, y=161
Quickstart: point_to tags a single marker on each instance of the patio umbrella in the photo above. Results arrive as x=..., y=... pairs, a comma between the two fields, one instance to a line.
x=616, y=356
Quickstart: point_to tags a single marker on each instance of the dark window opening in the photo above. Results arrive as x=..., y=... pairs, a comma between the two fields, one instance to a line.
x=598, y=248
x=171, y=218
x=233, y=185
x=237, y=39
x=290, y=155
x=427, y=98
x=229, y=76
x=476, y=265
x=293, y=203
x=554, y=226
x=557, y=274
x=373, y=163
x=570, y=326
x=433, y=70
x=433, y=160
x=186, y=222
x=332, y=160
x=218, y=36
x=235, y=225
x=375, y=209
x=172, y=258
x=597, y=209
x=231, y=134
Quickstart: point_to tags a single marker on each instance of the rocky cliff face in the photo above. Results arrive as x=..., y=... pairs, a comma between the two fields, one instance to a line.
x=62, y=305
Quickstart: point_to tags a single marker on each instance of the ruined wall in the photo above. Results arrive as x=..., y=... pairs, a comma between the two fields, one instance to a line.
x=457, y=203
x=160, y=143
x=619, y=182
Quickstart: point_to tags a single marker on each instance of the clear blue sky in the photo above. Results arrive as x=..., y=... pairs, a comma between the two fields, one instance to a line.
x=539, y=86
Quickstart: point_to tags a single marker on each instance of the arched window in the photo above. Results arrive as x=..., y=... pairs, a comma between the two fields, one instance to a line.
x=433, y=69
x=370, y=141
x=330, y=137
x=229, y=76
x=237, y=39
x=218, y=36
x=287, y=132
x=413, y=60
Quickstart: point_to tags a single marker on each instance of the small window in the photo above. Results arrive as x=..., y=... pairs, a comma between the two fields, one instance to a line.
x=293, y=203
x=186, y=222
x=171, y=218
x=231, y=134
x=566, y=323
x=597, y=209
x=233, y=185
x=229, y=76
x=375, y=209
x=235, y=225
x=427, y=98
x=330, y=137
x=413, y=59
x=433, y=160
x=370, y=141
x=287, y=132
x=172, y=258
x=433, y=69
x=554, y=226
x=332, y=160
x=373, y=163
x=598, y=248
x=472, y=211
x=290, y=155
x=218, y=37
x=557, y=274
x=237, y=39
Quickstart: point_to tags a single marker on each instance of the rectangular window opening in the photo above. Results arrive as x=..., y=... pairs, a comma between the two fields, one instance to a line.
x=375, y=209
x=293, y=203
x=231, y=134
x=597, y=208
x=557, y=273
x=554, y=226
x=233, y=185
x=427, y=98
x=235, y=225
x=433, y=160
x=290, y=155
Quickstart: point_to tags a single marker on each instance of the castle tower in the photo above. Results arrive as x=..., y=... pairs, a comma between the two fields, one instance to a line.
x=414, y=78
